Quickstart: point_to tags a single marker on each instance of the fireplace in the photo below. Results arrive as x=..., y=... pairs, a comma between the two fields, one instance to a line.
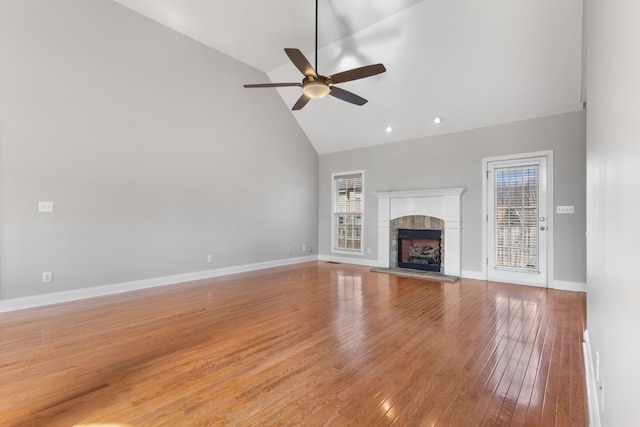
x=420, y=249
x=442, y=203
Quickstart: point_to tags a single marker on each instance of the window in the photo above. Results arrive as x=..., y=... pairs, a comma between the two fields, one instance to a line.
x=516, y=217
x=348, y=206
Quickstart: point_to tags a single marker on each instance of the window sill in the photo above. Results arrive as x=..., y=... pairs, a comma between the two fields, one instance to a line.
x=347, y=252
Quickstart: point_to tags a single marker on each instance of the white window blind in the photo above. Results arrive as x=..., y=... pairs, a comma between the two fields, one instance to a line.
x=348, y=208
x=516, y=217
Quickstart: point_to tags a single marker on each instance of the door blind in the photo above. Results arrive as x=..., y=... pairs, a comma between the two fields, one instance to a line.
x=516, y=218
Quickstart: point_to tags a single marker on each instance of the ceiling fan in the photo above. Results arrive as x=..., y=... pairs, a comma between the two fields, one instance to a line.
x=315, y=85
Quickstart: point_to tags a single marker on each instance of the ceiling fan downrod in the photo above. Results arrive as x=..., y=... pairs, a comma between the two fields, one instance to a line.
x=316, y=36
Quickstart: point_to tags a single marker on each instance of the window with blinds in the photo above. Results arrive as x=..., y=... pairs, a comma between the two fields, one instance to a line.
x=348, y=202
x=516, y=217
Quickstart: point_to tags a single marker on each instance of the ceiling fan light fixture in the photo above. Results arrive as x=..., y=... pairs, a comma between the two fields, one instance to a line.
x=316, y=89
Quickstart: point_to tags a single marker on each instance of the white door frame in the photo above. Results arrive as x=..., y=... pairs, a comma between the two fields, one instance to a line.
x=550, y=208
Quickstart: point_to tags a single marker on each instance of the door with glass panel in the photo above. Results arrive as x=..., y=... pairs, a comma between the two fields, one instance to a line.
x=517, y=221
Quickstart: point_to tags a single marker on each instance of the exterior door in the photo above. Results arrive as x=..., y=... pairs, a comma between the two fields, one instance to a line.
x=517, y=221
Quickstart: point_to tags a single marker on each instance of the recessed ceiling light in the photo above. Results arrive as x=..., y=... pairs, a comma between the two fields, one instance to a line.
x=388, y=129
x=437, y=120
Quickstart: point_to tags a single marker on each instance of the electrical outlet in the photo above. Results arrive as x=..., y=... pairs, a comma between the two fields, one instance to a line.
x=304, y=248
x=369, y=251
x=47, y=276
x=310, y=249
x=209, y=258
x=45, y=206
x=288, y=248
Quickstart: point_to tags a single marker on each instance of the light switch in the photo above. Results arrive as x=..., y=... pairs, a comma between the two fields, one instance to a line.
x=45, y=206
x=564, y=209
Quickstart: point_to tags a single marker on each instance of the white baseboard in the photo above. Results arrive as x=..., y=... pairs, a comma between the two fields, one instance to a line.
x=348, y=260
x=98, y=291
x=564, y=285
x=592, y=386
x=475, y=275
x=84, y=293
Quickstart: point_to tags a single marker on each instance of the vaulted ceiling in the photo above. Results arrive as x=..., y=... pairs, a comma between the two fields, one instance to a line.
x=473, y=63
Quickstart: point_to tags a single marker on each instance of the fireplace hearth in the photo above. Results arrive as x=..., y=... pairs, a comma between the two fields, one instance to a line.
x=420, y=249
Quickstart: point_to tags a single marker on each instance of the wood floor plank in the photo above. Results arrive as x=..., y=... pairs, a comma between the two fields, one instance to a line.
x=311, y=344
x=520, y=386
x=505, y=394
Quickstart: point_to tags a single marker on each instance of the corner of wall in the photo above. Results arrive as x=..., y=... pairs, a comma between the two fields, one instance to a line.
x=563, y=285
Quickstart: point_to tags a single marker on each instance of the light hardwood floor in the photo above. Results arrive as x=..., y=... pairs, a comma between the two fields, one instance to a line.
x=310, y=344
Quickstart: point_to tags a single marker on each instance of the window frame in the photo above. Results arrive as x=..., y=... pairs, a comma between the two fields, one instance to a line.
x=334, y=213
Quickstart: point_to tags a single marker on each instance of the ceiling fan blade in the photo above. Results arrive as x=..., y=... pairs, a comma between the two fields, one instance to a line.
x=302, y=101
x=357, y=73
x=301, y=62
x=273, y=85
x=345, y=95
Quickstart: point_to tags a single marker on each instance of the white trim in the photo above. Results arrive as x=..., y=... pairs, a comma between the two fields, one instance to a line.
x=590, y=380
x=561, y=285
x=564, y=285
x=520, y=282
x=432, y=192
x=105, y=290
x=345, y=260
x=550, y=207
x=475, y=275
x=353, y=252
x=98, y=291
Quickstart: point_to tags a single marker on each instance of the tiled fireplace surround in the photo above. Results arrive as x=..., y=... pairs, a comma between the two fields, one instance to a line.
x=442, y=203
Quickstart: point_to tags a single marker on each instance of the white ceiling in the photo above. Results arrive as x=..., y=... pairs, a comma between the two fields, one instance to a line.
x=474, y=63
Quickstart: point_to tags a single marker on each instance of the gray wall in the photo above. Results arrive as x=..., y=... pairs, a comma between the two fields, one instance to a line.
x=455, y=160
x=153, y=153
x=613, y=230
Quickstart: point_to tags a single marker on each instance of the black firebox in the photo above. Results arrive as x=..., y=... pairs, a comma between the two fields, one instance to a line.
x=420, y=249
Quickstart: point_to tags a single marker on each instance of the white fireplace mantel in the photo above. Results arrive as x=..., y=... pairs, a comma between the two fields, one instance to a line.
x=443, y=203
